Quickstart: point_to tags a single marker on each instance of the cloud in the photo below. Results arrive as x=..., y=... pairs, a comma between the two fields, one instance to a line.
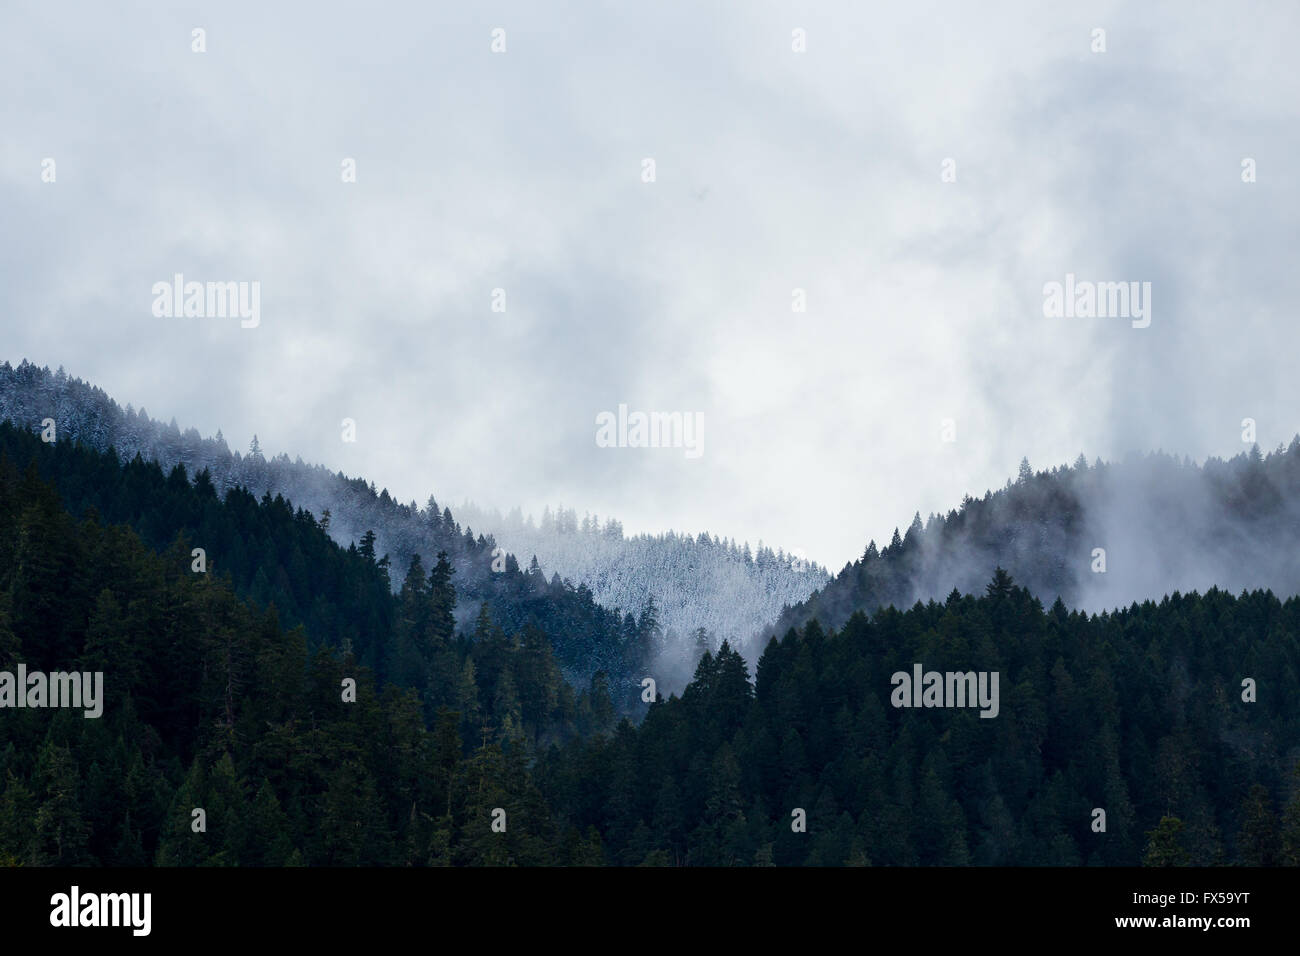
x=775, y=171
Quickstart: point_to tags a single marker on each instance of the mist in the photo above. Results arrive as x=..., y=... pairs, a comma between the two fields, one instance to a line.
x=1097, y=536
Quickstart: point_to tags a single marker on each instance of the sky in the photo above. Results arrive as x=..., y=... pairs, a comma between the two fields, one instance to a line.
x=920, y=172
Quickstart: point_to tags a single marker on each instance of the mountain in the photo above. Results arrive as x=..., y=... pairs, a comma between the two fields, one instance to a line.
x=208, y=701
x=274, y=547
x=280, y=559
x=671, y=585
x=202, y=698
x=1175, y=719
x=1119, y=739
x=1098, y=536
x=29, y=395
x=695, y=582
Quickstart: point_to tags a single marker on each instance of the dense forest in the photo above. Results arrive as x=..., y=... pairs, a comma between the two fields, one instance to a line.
x=690, y=582
x=1098, y=536
x=276, y=553
x=1138, y=712
x=213, y=701
x=696, y=581
x=85, y=415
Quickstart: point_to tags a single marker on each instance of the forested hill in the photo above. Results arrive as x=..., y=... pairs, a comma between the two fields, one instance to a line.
x=691, y=591
x=1142, y=714
x=274, y=553
x=588, y=637
x=1098, y=536
x=695, y=581
x=29, y=394
x=207, y=700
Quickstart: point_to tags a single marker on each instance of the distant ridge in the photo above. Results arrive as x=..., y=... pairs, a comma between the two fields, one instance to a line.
x=1098, y=536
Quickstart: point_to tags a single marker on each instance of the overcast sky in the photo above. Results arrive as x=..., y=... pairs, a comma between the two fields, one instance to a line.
x=775, y=170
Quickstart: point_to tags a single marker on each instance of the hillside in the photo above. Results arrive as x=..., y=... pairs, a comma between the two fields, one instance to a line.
x=273, y=553
x=1138, y=713
x=1098, y=536
x=685, y=583
x=208, y=700
x=83, y=413
x=695, y=581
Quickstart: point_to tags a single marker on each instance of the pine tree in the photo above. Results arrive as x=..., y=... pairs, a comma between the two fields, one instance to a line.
x=18, y=839
x=352, y=826
x=467, y=699
x=1258, y=843
x=1290, y=836
x=442, y=599
x=1164, y=844
x=61, y=833
x=367, y=549
x=10, y=646
x=1001, y=585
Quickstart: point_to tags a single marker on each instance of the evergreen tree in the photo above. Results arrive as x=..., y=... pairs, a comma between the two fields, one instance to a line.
x=1258, y=840
x=1164, y=844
